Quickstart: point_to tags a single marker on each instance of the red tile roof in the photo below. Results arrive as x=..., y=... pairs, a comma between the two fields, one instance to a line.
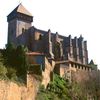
x=34, y=54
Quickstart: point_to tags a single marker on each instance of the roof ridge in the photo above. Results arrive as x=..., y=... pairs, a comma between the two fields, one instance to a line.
x=21, y=9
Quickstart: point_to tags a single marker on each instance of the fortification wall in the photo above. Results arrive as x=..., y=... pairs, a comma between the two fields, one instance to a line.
x=12, y=91
x=46, y=73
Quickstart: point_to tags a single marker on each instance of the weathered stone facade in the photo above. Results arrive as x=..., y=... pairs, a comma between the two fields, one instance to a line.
x=46, y=66
x=19, y=20
x=51, y=44
x=68, y=53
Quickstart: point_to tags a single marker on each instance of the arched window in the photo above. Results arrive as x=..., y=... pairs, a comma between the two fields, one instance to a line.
x=40, y=38
x=23, y=30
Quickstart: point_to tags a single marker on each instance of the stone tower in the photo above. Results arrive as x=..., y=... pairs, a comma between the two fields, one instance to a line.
x=19, y=21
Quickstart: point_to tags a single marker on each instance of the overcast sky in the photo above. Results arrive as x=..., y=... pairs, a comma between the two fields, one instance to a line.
x=66, y=17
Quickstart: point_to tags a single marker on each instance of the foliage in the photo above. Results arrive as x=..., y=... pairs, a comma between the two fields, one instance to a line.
x=3, y=69
x=14, y=63
x=45, y=94
x=35, y=68
x=60, y=89
x=56, y=90
x=85, y=83
x=11, y=72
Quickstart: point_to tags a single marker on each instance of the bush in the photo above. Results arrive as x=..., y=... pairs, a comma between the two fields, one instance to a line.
x=35, y=68
x=3, y=70
x=56, y=90
x=11, y=72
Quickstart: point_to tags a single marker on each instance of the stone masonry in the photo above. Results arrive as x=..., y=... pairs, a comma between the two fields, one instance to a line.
x=70, y=53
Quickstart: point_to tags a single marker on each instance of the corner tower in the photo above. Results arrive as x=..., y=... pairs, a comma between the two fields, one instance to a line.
x=19, y=20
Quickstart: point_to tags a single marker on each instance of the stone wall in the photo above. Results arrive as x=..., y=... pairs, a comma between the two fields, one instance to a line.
x=12, y=91
x=46, y=73
x=83, y=76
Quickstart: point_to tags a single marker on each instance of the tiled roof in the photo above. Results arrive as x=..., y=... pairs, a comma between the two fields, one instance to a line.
x=21, y=9
x=34, y=53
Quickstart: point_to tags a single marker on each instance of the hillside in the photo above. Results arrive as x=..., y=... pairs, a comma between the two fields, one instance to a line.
x=61, y=89
x=17, y=83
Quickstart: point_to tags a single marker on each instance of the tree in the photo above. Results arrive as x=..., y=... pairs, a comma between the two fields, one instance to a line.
x=15, y=61
x=21, y=60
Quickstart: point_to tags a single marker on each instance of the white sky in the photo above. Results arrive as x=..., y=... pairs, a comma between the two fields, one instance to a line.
x=73, y=17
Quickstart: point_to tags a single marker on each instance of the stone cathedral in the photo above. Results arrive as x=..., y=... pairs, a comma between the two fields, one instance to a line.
x=66, y=51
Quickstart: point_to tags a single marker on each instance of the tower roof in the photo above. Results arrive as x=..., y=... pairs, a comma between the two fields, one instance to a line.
x=21, y=9
x=92, y=62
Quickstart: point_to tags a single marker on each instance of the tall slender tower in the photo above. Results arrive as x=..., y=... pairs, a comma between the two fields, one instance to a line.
x=19, y=20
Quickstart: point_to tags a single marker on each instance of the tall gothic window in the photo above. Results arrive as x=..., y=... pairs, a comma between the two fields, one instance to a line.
x=23, y=30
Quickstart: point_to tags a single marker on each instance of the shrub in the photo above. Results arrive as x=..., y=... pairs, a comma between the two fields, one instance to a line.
x=11, y=73
x=35, y=69
x=3, y=69
x=56, y=90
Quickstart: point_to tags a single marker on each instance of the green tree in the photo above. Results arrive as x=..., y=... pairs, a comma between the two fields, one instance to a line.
x=21, y=61
x=15, y=61
x=9, y=55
